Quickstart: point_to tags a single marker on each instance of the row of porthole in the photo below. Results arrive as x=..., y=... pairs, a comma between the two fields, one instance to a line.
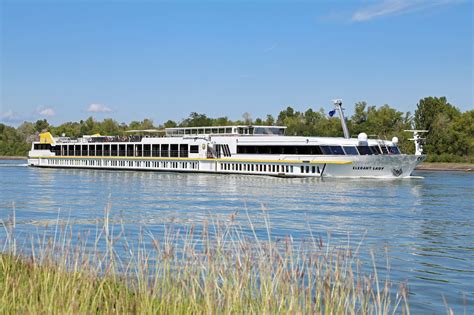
x=261, y=168
x=241, y=167
x=108, y=163
x=73, y=162
x=309, y=169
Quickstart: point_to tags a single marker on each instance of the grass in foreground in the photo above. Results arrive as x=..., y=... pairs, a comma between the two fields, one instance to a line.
x=220, y=269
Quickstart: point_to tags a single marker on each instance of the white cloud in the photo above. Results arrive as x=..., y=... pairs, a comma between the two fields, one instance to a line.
x=98, y=108
x=46, y=111
x=396, y=7
x=9, y=115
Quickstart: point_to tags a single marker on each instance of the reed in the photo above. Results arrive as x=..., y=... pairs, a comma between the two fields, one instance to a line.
x=216, y=267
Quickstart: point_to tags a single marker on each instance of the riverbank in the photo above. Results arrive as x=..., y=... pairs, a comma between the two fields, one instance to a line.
x=213, y=271
x=3, y=157
x=440, y=167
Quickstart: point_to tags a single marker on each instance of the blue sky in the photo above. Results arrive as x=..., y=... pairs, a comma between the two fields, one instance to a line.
x=131, y=60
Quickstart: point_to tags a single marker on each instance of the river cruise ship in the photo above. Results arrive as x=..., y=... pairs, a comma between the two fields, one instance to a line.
x=255, y=150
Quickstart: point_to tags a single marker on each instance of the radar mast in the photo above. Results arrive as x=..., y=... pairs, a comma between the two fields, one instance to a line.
x=417, y=140
x=338, y=105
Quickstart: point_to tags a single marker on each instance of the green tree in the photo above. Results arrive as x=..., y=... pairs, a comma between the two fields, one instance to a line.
x=41, y=125
x=438, y=116
x=110, y=127
x=170, y=124
x=269, y=121
x=142, y=125
x=11, y=142
x=196, y=120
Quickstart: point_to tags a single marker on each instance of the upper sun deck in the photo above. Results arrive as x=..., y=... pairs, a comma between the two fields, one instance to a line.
x=226, y=131
x=138, y=135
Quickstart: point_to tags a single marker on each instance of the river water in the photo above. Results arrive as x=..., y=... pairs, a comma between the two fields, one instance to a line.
x=425, y=224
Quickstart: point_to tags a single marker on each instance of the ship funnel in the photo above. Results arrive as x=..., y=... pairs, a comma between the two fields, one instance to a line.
x=338, y=104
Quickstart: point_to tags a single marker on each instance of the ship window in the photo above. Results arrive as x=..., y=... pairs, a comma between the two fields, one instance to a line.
x=375, y=149
x=337, y=150
x=129, y=149
x=99, y=149
x=164, y=150
x=146, y=150
x=138, y=150
x=174, y=150
x=303, y=150
x=107, y=150
x=350, y=150
x=332, y=150
x=384, y=149
x=364, y=150
x=302, y=169
x=121, y=149
x=393, y=150
x=91, y=150
x=42, y=146
x=155, y=150
x=84, y=150
x=194, y=149
x=218, y=150
x=183, y=150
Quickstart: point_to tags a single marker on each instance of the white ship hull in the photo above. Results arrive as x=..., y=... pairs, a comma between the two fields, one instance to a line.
x=395, y=166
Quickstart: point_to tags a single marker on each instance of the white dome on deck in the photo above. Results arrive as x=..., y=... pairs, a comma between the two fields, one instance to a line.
x=362, y=137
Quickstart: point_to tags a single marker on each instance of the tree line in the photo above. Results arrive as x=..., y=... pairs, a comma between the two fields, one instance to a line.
x=450, y=136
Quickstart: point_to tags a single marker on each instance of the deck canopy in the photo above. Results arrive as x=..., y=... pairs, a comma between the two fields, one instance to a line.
x=226, y=130
x=145, y=131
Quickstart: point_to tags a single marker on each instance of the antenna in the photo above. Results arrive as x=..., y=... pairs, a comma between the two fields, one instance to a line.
x=338, y=104
x=417, y=140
